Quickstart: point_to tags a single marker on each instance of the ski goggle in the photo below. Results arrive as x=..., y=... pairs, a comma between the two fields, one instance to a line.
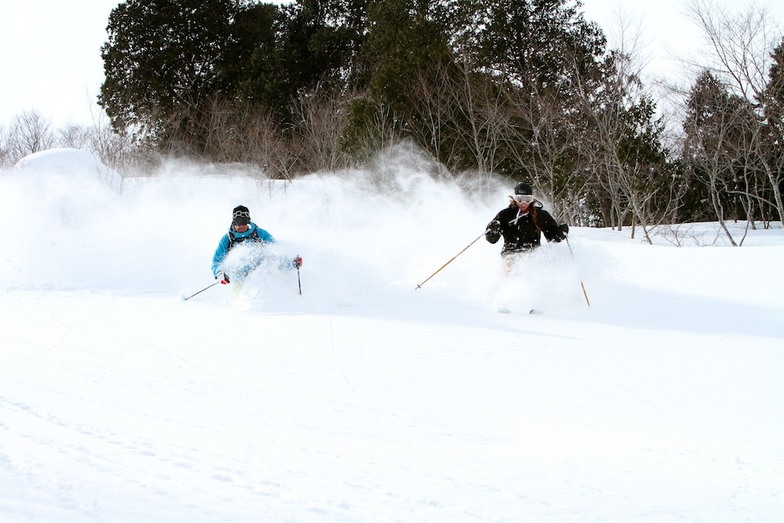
x=241, y=218
x=520, y=198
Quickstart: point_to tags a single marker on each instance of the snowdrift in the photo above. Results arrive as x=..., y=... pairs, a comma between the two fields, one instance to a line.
x=76, y=165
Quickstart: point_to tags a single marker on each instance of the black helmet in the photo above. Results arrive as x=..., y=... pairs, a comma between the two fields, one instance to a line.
x=523, y=188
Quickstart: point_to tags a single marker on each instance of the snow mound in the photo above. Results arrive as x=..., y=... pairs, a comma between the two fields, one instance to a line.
x=53, y=204
x=73, y=163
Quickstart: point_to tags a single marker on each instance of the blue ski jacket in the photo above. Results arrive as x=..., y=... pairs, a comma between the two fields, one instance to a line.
x=232, y=237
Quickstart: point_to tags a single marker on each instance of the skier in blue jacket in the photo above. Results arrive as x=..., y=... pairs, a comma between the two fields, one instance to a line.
x=243, y=232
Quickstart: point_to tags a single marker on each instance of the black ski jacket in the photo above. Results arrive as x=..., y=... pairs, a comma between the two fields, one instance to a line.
x=523, y=232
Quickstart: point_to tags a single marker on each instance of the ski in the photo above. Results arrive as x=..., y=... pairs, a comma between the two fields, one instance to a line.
x=507, y=310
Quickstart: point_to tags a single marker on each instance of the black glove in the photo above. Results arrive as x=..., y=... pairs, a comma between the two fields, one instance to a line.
x=564, y=228
x=493, y=231
x=493, y=228
x=223, y=277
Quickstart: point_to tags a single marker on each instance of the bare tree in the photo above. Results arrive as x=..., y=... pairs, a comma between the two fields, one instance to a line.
x=741, y=56
x=740, y=45
x=479, y=103
x=435, y=112
x=114, y=149
x=372, y=127
x=544, y=138
x=29, y=133
x=74, y=136
x=320, y=119
x=624, y=145
x=5, y=158
x=719, y=128
x=462, y=117
x=110, y=147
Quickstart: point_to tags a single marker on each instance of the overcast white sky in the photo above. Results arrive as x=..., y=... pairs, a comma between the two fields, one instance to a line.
x=51, y=62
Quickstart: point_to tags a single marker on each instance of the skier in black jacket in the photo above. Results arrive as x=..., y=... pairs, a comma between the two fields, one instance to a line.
x=522, y=224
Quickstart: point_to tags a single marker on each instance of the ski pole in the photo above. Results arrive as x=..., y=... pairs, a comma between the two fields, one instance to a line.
x=450, y=261
x=581, y=280
x=299, y=282
x=199, y=292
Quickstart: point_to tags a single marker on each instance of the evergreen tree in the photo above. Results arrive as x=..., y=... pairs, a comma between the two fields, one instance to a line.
x=405, y=44
x=773, y=103
x=720, y=130
x=536, y=44
x=316, y=46
x=549, y=61
x=165, y=59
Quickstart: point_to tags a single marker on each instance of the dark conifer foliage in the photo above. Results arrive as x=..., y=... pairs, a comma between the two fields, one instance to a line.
x=520, y=89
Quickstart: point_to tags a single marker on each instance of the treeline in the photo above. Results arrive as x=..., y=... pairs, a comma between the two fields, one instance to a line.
x=522, y=89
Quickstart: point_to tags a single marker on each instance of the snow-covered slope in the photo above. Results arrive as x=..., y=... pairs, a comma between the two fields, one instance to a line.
x=364, y=399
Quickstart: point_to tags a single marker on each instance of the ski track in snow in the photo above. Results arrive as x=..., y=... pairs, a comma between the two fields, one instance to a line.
x=387, y=419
